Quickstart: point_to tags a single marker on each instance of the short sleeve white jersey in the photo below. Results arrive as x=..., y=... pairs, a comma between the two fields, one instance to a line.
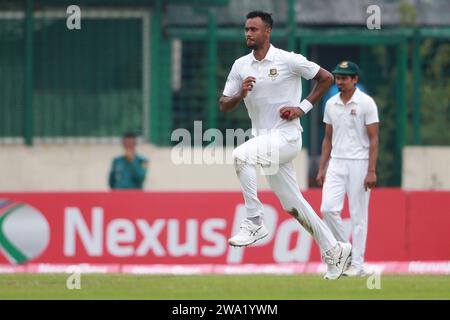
x=350, y=139
x=278, y=84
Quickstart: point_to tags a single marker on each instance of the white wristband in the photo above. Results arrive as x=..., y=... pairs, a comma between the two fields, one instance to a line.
x=305, y=105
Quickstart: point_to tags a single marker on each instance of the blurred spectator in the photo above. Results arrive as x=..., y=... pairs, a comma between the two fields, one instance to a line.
x=129, y=170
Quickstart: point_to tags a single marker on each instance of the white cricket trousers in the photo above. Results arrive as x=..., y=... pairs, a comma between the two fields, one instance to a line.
x=274, y=152
x=347, y=176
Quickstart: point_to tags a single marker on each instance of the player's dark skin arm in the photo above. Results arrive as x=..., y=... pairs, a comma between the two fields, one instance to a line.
x=324, y=80
x=371, y=178
x=325, y=155
x=228, y=104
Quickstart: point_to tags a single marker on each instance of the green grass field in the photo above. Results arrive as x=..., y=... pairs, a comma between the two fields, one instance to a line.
x=222, y=287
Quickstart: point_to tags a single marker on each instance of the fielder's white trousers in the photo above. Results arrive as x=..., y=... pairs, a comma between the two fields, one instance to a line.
x=274, y=152
x=347, y=176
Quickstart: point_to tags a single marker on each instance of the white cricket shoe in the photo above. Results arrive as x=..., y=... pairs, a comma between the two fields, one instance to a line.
x=353, y=271
x=337, y=259
x=248, y=233
x=349, y=263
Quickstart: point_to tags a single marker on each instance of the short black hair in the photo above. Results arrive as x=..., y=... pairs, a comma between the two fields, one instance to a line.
x=129, y=134
x=265, y=17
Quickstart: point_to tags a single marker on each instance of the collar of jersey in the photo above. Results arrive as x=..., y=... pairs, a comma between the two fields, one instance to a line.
x=354, y=98
x=269, y=55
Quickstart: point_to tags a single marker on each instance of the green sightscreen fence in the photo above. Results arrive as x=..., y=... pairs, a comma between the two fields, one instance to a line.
x=12, y=76
x=91, y=82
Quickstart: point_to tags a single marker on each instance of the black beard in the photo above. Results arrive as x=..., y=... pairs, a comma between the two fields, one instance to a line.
x=254, y=46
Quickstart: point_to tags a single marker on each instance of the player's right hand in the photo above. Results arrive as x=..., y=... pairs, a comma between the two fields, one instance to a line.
x=320, y=179
x=247, y=85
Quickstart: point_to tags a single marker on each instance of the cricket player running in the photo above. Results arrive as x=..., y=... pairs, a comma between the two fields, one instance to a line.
x=351, y=139
x=269, y=81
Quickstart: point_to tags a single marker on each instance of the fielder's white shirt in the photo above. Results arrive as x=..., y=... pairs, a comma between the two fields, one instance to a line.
x=278, y=84
x=350, y=139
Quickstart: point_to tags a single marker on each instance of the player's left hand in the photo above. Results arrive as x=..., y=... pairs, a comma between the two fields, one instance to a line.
x=320, y=179
x=290, y=113
x=370, y=181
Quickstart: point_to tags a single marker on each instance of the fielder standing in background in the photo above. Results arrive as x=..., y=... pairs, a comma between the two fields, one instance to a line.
x=129, y=170
x=269, y=81
x=351, y=140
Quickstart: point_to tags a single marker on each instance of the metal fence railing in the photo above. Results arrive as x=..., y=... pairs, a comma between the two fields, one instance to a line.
x=92, y=82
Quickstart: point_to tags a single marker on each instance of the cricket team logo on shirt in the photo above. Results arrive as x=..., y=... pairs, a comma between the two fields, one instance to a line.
x=273, y=73
x=24, y=231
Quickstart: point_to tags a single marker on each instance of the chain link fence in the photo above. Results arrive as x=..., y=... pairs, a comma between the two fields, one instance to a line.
x=88, y=83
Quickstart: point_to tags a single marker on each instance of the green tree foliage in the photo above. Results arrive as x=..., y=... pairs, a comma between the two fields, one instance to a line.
x=435, y=89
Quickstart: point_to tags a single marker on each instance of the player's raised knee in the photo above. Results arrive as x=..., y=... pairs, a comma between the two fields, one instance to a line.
x=237, y=154
x=238, y=160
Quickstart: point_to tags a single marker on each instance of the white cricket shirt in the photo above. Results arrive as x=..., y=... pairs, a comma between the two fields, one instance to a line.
x=350, y=139
x=278, y=84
